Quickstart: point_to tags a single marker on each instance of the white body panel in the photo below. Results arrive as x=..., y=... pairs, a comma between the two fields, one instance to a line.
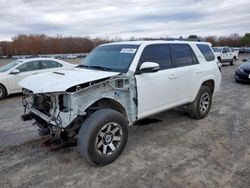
x=156, y=91
x=186, y=75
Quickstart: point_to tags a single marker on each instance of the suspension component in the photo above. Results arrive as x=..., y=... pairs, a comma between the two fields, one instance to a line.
x=27, y=117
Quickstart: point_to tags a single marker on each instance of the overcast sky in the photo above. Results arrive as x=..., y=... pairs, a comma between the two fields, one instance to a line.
x=138, y=18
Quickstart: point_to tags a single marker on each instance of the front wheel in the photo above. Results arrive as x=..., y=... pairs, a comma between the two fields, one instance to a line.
x=2, y=92
x=219, y=59
x=233, y=61
x=103, y=136
x=202, y=103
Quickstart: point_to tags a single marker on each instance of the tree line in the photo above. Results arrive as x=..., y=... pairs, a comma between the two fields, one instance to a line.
x=234, y=40
x=43, y=44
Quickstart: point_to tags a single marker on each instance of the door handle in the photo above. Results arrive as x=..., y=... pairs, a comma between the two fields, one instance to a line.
x=173, y=76
x=198, y=71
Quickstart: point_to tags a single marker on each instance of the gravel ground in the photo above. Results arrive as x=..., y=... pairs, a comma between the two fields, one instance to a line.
x=175, y=152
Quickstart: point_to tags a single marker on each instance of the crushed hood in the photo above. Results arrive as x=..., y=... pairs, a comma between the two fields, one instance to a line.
x=61, y=80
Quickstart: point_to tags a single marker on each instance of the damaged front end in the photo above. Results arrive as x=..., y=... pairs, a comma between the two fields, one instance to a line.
x=49, y=112
x=61, y=114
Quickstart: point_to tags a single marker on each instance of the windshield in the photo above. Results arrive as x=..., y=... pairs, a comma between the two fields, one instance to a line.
x=216, y=49
x=115, y=57
x=9, y=66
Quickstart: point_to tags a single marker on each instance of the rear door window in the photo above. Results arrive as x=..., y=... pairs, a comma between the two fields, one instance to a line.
x=184, y=55
x=206, y=52
x=48, y=64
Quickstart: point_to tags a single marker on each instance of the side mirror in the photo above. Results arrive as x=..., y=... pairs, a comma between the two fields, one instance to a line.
x=15, y=71
x=147, y=67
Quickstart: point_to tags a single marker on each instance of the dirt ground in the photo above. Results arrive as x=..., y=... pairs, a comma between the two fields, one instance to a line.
x=175, y=151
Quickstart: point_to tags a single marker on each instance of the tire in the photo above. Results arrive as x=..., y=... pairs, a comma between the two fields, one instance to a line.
x=219, y=59
x=96, y=134
x=199, y=109
x=2, y=92
x=233, y=61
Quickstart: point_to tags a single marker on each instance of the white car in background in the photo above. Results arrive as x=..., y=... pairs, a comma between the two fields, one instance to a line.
x=17, y=70
x=72, y=56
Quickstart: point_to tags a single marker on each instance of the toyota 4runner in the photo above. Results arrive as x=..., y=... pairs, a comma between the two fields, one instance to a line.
x=116, y=85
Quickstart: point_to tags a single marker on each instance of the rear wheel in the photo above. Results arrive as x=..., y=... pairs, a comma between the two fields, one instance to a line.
x=2, y=92
x=202, y=103
x=103, y=136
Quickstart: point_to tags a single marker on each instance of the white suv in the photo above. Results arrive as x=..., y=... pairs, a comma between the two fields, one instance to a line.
x=226, y=54
x=115, y=86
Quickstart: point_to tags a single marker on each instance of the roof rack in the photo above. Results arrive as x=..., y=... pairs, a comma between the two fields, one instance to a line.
x=175, y=39
x=184, y=39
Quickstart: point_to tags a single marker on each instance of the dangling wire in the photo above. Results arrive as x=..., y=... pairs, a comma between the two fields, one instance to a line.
x=25, y=104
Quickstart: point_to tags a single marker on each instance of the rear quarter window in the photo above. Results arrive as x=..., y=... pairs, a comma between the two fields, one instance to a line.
x=206, y=52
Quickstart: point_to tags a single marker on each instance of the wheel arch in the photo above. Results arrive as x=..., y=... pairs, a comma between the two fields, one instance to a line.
x=108, y=103
x=210, y=83
x=5, y=88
